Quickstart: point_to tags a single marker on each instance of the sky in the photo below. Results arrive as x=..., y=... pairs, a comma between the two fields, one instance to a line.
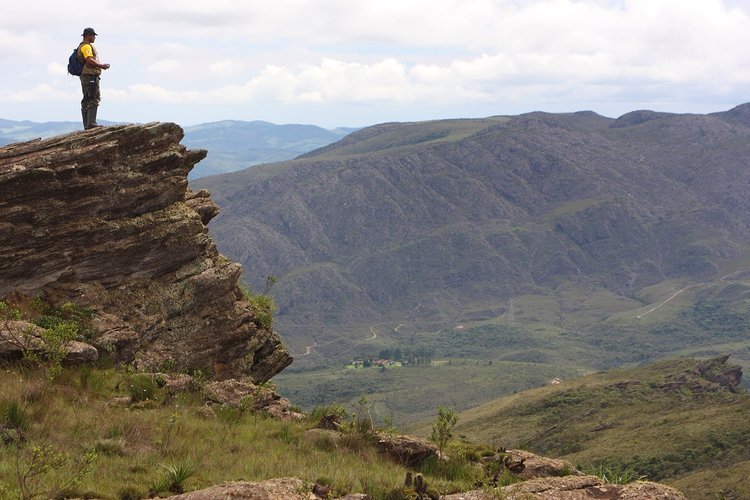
x=353, y=63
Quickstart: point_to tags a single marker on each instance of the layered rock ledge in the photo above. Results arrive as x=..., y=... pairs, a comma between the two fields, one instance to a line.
x=104, y=218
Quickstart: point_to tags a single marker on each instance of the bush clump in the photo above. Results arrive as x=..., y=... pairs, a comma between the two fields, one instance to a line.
x=142, y=387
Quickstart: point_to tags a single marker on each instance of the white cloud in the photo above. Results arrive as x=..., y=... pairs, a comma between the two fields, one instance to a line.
x=57, y=69
x=38, y=93
x=387, y=52
x=225, y=68
x=152, y=94
x=165, y=66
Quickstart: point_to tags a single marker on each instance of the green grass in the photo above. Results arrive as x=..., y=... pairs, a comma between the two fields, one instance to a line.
x=141, y=447
x=411, y=393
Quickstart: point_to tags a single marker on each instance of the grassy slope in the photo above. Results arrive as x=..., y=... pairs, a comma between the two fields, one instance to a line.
x=698, y=441
x=75, y=414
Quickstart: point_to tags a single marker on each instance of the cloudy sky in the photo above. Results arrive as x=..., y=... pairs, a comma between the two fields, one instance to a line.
x=359, y=62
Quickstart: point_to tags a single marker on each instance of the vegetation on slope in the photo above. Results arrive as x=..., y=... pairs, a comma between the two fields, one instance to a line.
x=599, y=242
x=75, y=436
x=424, y=220
x=478, y=361
x=669, y=422
x=104, y=432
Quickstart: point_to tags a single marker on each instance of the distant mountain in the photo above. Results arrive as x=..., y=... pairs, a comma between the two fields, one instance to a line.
x=575, y=223
x=13, y=131
x=235, y=145
x=232, y=145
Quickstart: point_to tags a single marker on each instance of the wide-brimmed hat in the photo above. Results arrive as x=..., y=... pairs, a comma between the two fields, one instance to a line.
x=89, y=31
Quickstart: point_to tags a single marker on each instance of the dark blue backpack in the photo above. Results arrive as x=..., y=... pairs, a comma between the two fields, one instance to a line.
x=75, y=66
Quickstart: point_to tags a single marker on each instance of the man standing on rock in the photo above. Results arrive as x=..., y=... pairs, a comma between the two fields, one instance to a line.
x=92, y=68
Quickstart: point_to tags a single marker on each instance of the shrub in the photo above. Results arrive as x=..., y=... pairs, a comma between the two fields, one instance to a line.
x=264, y=308
x=363, y=415
x=335, y=410
x=442, y=429
x=38, y=471
x=263, y=304
x=69, y=313
x=8, y=313
x=400, y=493
x=57, y=327
x=142, y=387
x=54, y=342
x=130, y=493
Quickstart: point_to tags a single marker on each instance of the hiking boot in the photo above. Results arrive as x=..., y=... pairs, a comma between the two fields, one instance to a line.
x=91, y=118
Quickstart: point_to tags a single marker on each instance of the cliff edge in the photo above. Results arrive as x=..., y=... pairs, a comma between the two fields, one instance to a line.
x=104, y=218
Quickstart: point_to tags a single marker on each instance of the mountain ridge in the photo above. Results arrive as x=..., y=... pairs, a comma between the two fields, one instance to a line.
x=434, y=220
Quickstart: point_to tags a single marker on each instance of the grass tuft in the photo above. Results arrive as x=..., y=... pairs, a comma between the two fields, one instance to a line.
x=15, y=415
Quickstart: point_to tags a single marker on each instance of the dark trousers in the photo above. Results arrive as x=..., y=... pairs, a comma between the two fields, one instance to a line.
x=91, y=96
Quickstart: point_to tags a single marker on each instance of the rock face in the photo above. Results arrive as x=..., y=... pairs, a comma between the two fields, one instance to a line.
x=104, y=218
x=716, y=370
x=536, y=466
x=575, y=488
x=711, y=375
x=406, y=450
x=233, y=392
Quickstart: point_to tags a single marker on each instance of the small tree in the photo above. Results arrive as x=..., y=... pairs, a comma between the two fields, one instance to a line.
x=442, y=429
x=42, y=471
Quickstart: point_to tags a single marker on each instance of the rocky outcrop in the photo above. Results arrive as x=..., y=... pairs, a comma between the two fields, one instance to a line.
x=559, y=488
x=104, y=218
x=717, y=371
x=237, y=393
x=407, y=450
x=711, y=375
x=574, y=488
x=285, y=488
x=536, y=466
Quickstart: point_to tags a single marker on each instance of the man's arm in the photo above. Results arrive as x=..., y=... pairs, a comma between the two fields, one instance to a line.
x=90, y=61
x=88, y=57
